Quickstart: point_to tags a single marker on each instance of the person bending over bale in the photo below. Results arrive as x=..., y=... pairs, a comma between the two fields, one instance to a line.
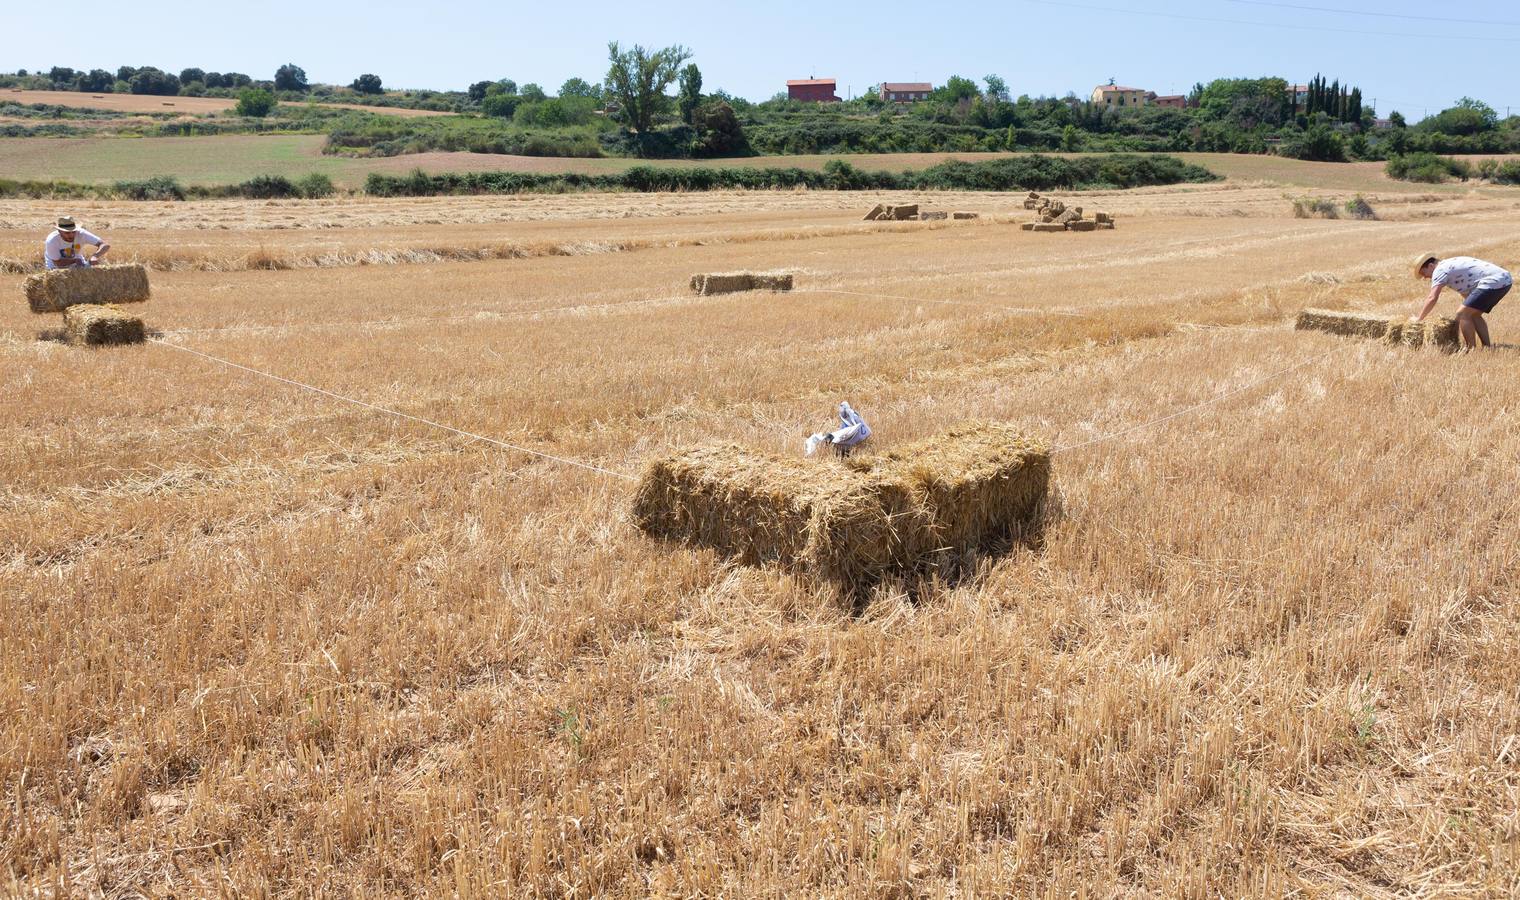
x=1481, y=284
x=62, y=249
x=852, y=431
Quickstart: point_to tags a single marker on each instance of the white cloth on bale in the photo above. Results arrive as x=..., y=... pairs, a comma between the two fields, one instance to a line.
x=852, y=430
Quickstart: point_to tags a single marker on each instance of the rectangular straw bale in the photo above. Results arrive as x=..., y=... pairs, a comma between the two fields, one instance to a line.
x=1106, y=226
x=960, y=491
x=1048, y=227
x=1102, y=217
x=1083, y=225
x=1028, y=226
x=1438, y=331
x=722, y=283
x=1355, y=324
x=1031, y=204
x=821, y=519
x=54, y=290
x=965, y=215
x=89, y=323
x=904, y=212
x=877, y=212
x=934, y=216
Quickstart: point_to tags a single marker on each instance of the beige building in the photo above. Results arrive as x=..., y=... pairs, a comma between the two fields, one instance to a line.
x=1119, y=95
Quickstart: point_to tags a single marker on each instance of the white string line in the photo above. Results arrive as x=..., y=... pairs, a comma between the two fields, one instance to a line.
x=1192, y=409
x=392, y=412
x=988, y=306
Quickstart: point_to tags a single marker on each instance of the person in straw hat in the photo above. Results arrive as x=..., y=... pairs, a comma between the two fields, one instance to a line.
x=63, y=249
x=1481, y=284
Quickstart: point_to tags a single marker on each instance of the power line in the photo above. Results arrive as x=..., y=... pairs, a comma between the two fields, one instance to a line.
x=1381, y=15
x=1286, y=25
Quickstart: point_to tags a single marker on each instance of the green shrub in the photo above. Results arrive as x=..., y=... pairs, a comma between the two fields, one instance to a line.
x=159, y=187
x=315, y=186
x=1427, y=168
x=1358, y=208
x=255, y=103
x=268, y=187
x=1507, y=173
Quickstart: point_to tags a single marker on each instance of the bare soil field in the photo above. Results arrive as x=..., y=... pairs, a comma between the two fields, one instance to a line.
x=263, y=640
x=141, y=103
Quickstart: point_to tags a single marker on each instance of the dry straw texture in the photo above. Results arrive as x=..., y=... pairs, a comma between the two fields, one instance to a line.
x=89, y=323
x=919, y=509
x=58, y=289
x=737, y=282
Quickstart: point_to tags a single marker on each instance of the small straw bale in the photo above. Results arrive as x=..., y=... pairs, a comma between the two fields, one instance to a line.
x=1082, y=225
x=1028, y=226
x=1102, y=217
x=933, y=216
x=1070, y=215
x=965, y=215
x=1439, y=332
x=1106, y=226
x=1354, y=324
x=877, y=212
x=89, y=323
x=1048, y=227
x=914, y=510
x=1031, y=204
x=57, y=289
x=903, y=213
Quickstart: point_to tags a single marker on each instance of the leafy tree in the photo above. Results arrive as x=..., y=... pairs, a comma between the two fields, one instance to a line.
x=957, y=89
x=507, y=85
x=149, y=80
x=125, y=73
x=62, y=78
x=1396, y=119
x=96, y=81
x=290, y=77
x=1071, y=139
x=533, y=93
x=236, y=80
x=255, y=103
x=997, y=88
x=578, y=87
x=1467, y=117
x=637, y=79
x=501, y=106
x=477, y=91
x=214, y=80
x=188, y=75
x=367, y=84
x=690, y=92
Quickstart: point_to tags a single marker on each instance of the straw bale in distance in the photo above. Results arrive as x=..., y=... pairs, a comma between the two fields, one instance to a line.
x=1354, y=324
x=903, y=213
x=877, y=212
x=1031, y=204
x=914, y=510
x=89, y=323
x=722, y=283
x=933, y=216
x=965, y=215
x=1050, y=227
x=1028, y=226
x=1083, y=225
x=57, y=289
x=770, y=281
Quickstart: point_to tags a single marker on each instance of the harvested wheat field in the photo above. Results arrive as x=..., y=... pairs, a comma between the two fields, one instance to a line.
x=263, y=641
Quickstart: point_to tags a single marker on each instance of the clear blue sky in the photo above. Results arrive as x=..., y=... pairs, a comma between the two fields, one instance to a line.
x=1038, y=46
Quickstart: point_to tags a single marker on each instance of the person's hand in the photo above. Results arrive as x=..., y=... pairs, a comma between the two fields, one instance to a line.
x=1415, y=319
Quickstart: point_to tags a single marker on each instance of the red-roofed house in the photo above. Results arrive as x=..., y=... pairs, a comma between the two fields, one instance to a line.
x=813, y=90
x=1175, y=101
x=905, y=91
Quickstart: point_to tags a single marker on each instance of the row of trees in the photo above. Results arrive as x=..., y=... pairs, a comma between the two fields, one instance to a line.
x=190, y=81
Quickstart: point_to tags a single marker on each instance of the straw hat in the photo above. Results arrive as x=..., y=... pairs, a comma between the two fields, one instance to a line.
x=1422, y=259
x=65, y=223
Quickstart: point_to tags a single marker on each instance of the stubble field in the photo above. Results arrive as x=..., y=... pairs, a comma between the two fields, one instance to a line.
x=263, y=641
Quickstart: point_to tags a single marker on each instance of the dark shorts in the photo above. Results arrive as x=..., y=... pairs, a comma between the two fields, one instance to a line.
x=1485, y=299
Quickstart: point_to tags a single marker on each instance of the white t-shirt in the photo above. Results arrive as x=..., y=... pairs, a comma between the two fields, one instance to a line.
x=55, y=248
x=1465, y=274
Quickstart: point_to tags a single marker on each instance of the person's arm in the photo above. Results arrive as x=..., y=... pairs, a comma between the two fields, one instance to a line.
x=100, y=246
x=1430, y=304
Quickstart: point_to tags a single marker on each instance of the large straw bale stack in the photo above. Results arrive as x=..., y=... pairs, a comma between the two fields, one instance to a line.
x=57, y=289
x=1028, y=226
x=1353, y=324
x=89, y=323
x=916, y=510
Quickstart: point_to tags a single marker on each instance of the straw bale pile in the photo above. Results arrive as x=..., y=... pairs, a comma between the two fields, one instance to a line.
x=888, y=213
x=918, y=509
x=57, y=289
x=90, y=323
x=1055, y=213
x=735, y=282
